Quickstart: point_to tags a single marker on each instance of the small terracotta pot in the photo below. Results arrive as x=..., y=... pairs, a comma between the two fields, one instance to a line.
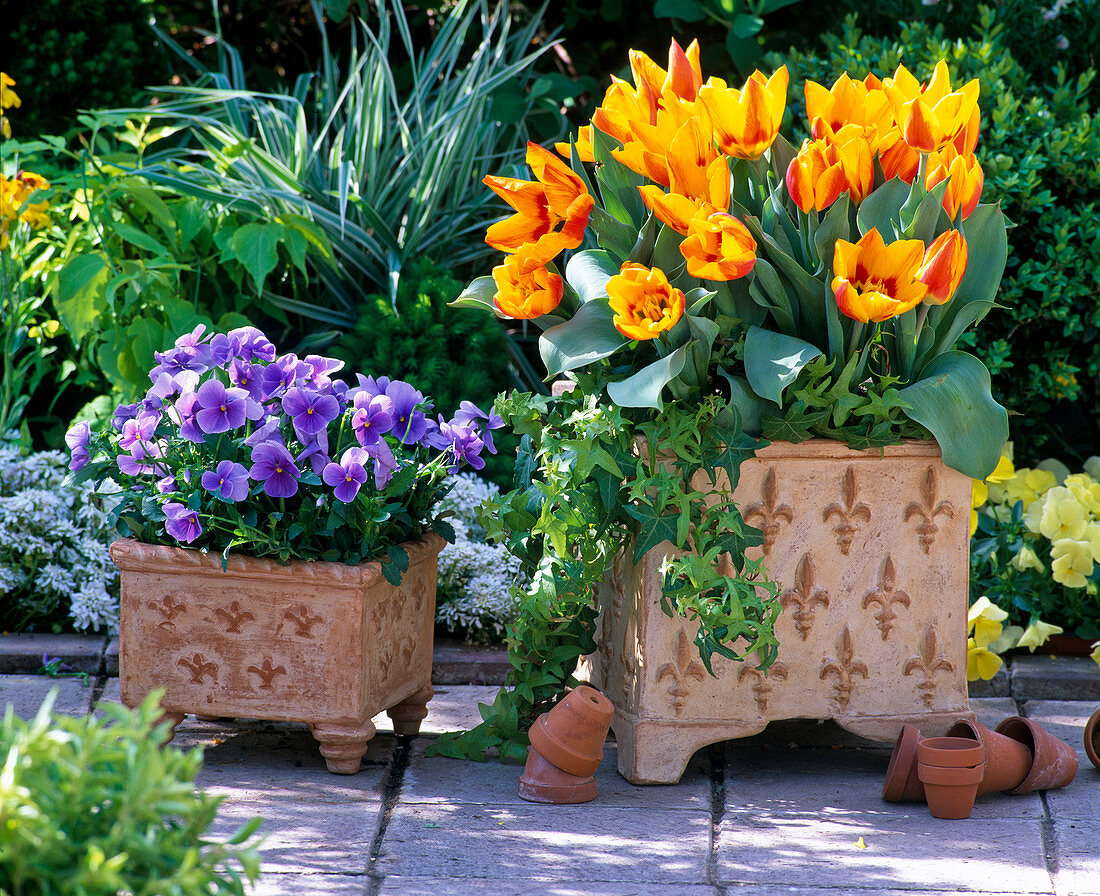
x=543, y=782
x=1007, y=761
x=950, y=792
x=1054, y=762
x=902, y=783
x=950, y=752
x=572, y=734
x=1092, y=738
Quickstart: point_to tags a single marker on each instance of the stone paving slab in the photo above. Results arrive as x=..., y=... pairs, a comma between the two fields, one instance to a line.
x=435, y=886
x=314, y=884
x=596, y=843
x=26, y=692
x=1055, y=678
x=452, y=708
x=24, y=652
x=1080, y=800
x=908, y=850
x=1077, y=855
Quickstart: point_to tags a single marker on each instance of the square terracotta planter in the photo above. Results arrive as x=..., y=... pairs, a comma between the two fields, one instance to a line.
x=871, y=550
x=323, y=643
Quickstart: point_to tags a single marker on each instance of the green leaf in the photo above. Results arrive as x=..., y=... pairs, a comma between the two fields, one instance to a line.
x=79, y=293
x=588, y=273
x=773, y=360
x=478, y=294
x=643, y=389
x=587, y=336
x=256, y=247
x=684, y=10
x=611, y=233
x=618, y=184
x=745, y=26
x=882, y=210
x=954, y=402
x=654, y=527
x=750, y=406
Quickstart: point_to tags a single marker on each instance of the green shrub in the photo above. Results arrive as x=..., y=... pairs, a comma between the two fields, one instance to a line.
x=94, y=806
x=1038, y=148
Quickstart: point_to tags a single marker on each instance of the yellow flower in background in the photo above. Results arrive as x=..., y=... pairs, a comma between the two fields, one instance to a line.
x=1026, y=559
x=874, y=281
x=1095, y=655
x=979, y=494
x=1036, y=635
x=1058, y=516
x=746, y=120
x=644, y=302
x=1024, y=485
x=9, y=99
x=1086, y=490
x=984, y=621
x=980, y=662
x=1071, y=562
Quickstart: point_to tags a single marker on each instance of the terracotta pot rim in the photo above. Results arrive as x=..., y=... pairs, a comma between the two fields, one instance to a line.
x=901, y=781
x=1046, y=750
x=948, y=776
x=1092, y=738
x=950, y=752
x=544, y=782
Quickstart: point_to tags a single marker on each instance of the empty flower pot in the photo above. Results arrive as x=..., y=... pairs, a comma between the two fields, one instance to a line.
x=950, y=792
x=544, y=782
x=572, y=734
x=950, y=752
x=1007, y=761
x=1054, y=762
x=902, y=783
x=1092, y=738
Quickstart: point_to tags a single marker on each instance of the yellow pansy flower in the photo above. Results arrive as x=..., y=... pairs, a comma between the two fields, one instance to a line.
x=1026, y=559
x=984, y=621
x=1086, y=490
x=980, y=662
x=1036, y=635
x=1026, y=485
x=1071, y=562
x=1058, y=516
x=1095, y=655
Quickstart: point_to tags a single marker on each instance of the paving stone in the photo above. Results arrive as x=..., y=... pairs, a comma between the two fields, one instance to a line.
x=453, y=708
x=110, y=658
x=911, y=852
x=1055, y=678
x=435, y=886
x=1079, y=801
x=456, y=842
x=456, y=663
x=1078, y=855
x=24, y=652
x=998, y=686
x=437, y=779
x=26, y=693
x=273, y=884
x=991, y=711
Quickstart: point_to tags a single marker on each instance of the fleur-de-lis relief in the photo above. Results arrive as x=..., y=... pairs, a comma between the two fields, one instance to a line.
x=844, y=668
x=408, y=648
x=682, y=668
x=886, y=594
x=928, y=662
x=233, y=617
x=769, y=512
x=302, y=619
x=198, y=666
x=629, y=669
x=169, y=608
x=850, y=514
x=928, y=510
x=761, y=688
x=267, y=672
x=804, y=596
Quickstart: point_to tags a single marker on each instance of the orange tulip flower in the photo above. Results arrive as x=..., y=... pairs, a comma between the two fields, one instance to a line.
x=558, y=196
x=943, y=267
x=644, y=302
x=691, y=196
x=525, y=288
x=583, y=143
x=683, y=78
x=897, y=158
x=966, y=180
x=873, y=281
x=931, y=116
x=718, y=247
x=747, y=120
x=823, y=169
x=847, y=102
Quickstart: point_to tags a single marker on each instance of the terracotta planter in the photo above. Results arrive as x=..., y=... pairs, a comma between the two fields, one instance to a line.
x=572, y=734
x=902, y=784
x=950, y=752
x=322, y=643
x=870, y=549
x=1092, y=738
x=1054, y=762
x=544, y=782
x=1007, y=761
x=950, y=792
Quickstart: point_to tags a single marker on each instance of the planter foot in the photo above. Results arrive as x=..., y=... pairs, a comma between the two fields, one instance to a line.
x=410, y=712
x=343, y=746
x=173, y=719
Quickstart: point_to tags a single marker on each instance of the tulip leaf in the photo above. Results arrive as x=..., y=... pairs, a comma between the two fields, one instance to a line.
x=833, y=227
x=618, y=184
x=478, y=294
x=611, y=233
x=768, y=291
x=749, y=405
x=587, y=336
x=588, y=273
x=953, y=401
x=927, y=216
x=773, y=360
x=882, y=210
x=643, y=389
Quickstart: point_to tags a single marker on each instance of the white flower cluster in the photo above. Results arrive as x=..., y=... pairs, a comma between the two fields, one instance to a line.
x=53, y=542
x=477, y=590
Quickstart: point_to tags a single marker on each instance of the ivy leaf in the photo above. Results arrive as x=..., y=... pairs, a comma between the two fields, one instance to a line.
x=654, y=527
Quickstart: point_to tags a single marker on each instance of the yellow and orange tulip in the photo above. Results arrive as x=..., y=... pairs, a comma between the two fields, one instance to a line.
x=695, y=192
x=931, y=116
x=718, y=247
x=966, y=180
x=746, y=121
x=823, y=169
x=943, y=267
x=873, y=282
x=846, y=103
x=644, y=302
x=525, y=288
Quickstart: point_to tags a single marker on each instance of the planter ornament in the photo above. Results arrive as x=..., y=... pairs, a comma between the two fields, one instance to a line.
x=280, y=534
x=749, y=499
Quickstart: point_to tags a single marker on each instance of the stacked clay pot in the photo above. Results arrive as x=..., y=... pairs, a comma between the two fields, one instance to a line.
x=566, y=749
x=1092, y=738
x=950, y=768
x=1019, y=756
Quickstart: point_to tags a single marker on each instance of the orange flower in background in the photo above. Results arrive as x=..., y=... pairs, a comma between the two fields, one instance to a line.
x=967, y=179
x=644, y=302
x=747, y=120
x=526, y=289
x=683, y=78
x=873, y=281
x=943, y=267
x=823, y=169
x=558, y=197
x=718, y=247
x=931, y=116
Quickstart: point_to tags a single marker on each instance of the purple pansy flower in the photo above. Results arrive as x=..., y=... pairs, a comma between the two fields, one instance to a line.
x=252, y=345
x=167, y=485
x=468, y=412
x=274, y=466
x=137, y=461
x=465, y=443
x=228, y=480
x=219, y=409
x=320, y=368
x=77, y=441
x=373, y=417
x=266, y=432
x=185, y=362
x=248, y=377
x=410, y=424
x=310, y=412
x=283, y=374
x=181, y=523
x=185, y=410
x=348, y=476
x=123, y=413
x=140, y=429
x=384, y=461
x=316, y=452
